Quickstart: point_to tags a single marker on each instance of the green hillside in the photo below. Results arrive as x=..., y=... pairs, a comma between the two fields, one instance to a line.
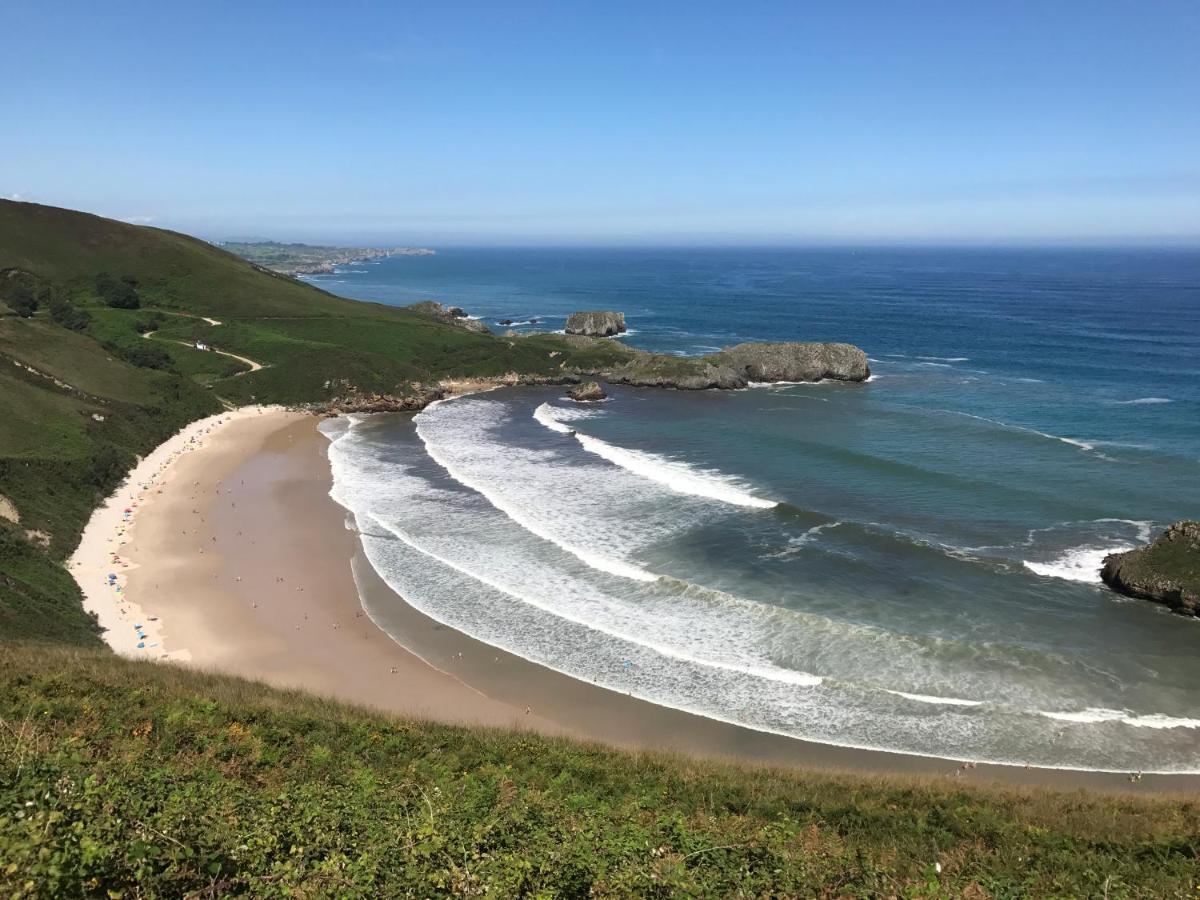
x=85, y=385
x=143, y=780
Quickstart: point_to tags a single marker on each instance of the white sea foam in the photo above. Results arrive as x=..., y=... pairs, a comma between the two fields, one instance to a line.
x=1079, y=564
x=678, y=476
x=772, y=673
x=1083, y=563
x=518, y=515
x=1142, y=401
x=1092, y=716
x=545, y=415
x=938, y=701
x=946, y=359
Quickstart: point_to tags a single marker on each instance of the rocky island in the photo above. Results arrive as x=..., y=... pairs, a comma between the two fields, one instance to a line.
x=1166, y=571
x=309, y=259
x=596, y=323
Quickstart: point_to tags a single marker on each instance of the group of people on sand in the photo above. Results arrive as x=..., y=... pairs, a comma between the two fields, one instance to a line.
x=114, y=580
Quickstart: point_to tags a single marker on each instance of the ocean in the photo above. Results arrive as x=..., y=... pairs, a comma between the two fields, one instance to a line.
x=910, y=564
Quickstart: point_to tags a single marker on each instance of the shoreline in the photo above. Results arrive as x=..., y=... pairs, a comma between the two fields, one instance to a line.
x=256, y=566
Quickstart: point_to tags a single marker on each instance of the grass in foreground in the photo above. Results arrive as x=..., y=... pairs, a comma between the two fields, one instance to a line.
x=139, y=780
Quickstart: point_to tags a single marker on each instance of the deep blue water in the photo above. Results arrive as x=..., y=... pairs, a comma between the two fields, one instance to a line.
x=907, y=564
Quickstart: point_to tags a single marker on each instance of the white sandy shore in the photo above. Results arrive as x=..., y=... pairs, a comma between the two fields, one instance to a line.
x=127, y=630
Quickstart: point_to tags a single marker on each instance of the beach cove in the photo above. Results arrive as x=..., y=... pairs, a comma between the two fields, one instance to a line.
x=240, y=562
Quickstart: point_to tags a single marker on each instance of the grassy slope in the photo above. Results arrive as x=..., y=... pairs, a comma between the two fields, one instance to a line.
x=157, y=781
x=57, y=458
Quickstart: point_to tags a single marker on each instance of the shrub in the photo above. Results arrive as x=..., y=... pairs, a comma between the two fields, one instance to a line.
x=145, y=355
x=21, y=300
x=67, y=314
x=119, y=293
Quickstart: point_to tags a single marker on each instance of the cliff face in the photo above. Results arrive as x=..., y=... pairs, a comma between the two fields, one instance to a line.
x=596, y=324
x=1167, y=571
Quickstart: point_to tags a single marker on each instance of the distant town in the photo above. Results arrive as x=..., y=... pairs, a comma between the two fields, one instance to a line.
x=307, y=259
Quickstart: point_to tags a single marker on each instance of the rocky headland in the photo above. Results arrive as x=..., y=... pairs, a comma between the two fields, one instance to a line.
x=1166, y=571
x=730, y=369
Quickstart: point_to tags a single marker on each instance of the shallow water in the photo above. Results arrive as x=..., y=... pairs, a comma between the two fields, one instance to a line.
x=909, y=564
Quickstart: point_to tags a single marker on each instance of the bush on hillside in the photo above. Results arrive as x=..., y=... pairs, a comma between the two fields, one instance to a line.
x=67, y=314
x=119, y=293
x=21, y=300
x=144, y=355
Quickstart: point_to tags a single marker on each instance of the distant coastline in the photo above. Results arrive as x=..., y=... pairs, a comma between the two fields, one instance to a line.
x=309, y=259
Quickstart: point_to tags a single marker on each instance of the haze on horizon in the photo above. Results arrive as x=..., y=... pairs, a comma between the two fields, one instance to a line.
x=615, y=123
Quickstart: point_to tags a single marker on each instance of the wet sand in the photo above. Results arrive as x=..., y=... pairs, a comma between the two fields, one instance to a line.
x=250, y=569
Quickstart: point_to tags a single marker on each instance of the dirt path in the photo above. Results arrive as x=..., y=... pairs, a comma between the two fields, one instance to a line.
x=254, y=366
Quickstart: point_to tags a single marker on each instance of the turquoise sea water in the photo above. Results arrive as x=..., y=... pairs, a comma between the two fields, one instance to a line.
x=909, y=564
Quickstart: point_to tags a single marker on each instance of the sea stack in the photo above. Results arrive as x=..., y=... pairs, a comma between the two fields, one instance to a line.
x=596, y=323
x=587, y=392
x=1166, y=571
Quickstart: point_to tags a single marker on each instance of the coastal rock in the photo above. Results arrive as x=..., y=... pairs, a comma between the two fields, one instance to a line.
x=769, y=362
x=596, y=323
x=589, y=391
x=1166, y=571
x=418, y=399
x=451, y=315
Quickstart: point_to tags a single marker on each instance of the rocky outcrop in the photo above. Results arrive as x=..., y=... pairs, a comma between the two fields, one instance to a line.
x=661, y=370
x=416, y=399
x=1166, y=571
x=795, y=362
x=451, y=315
x=588, y=392
x=739, y=366
x=596, y=324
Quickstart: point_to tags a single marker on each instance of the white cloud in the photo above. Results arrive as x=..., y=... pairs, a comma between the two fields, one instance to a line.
x=138, y=220
x=16, y=195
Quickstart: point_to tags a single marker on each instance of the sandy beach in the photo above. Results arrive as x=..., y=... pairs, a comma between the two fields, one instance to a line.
x=228, y=554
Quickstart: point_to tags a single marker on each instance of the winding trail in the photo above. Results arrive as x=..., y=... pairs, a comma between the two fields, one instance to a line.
x=253, y=364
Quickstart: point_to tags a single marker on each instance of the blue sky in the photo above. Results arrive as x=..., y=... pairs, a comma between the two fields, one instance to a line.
x=612, y=122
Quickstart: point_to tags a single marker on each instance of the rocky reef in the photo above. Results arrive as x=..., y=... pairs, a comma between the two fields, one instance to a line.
x=451, y=315
x=596, y=323
x=587, y=392
x=1166, y=571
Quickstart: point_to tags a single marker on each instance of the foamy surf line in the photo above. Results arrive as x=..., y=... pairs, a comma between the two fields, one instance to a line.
x=1096, y=716
x=677, y=476
x=595, y=560
x=772, y=673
